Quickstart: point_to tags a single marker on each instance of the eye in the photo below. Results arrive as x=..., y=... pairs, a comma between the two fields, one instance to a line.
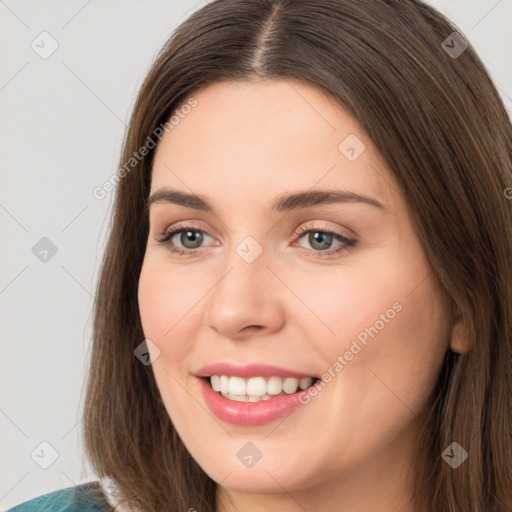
x=322, y=239
x=189, y=237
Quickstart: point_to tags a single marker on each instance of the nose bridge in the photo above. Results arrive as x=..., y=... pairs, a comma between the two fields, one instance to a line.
x=243, y=295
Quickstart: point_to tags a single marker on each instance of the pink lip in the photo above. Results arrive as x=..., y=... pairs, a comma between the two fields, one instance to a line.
x=247, y=413
x=249, y=370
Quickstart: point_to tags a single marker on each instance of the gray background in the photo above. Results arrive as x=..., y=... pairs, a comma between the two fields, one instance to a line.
x=63, y=121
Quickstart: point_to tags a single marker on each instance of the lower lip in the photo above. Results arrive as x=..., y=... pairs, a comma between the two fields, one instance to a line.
x=248, y=413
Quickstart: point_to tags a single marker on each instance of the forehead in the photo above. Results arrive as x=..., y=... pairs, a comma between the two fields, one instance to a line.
x=264, y=136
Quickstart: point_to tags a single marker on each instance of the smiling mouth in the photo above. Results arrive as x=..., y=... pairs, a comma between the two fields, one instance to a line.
x=256, y=389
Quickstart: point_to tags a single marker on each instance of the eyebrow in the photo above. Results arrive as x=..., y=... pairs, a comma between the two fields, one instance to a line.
x=285, y=202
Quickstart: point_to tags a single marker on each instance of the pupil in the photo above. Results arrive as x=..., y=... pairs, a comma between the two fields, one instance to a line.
x=188, y=236
x=321, y=237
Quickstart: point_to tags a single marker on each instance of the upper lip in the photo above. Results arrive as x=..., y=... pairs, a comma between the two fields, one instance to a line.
x=249, y=370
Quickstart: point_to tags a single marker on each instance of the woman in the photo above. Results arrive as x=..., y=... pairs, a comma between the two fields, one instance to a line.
x=306, y=300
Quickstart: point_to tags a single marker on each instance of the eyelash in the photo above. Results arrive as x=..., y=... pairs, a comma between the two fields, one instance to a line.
x=166, y=237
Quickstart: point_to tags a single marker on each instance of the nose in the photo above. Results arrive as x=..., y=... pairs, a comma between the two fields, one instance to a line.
x=246, y=299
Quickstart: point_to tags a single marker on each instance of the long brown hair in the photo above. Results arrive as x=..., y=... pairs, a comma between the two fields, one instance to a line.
x=439, y=124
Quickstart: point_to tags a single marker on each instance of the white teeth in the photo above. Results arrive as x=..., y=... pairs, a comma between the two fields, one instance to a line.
x=245, y=398
x=257, y=388
x=238, y=398
x=274, y=385
x=237, y=386
x=224, y=384
x=215, y=381
x=290, y=385
x=305, y=382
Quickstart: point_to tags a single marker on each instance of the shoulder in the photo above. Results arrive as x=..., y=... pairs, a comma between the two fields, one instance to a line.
x=86, y=497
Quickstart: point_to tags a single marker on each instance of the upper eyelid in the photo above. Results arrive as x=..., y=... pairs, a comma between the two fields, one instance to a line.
x=350, y=233
x=183, y=225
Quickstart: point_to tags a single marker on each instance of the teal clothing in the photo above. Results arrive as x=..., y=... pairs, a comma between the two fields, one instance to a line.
x=87, y=497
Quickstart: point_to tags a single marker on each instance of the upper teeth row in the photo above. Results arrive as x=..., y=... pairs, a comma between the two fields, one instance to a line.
x=258, y=386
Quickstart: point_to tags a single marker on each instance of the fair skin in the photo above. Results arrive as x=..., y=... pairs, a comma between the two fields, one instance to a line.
x=350, y=447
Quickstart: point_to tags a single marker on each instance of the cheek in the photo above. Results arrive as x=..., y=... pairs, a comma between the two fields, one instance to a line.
x=154, y=305
x=166, y=299
x=163, y=306
x=412, y=352
x=389, y=326
x=389, y=301
x=163, y=315
x=399, y=331
x=392, y=337
x=171, y=316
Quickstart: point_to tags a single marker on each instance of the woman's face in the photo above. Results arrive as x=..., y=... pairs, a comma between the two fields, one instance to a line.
x=257, y=292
